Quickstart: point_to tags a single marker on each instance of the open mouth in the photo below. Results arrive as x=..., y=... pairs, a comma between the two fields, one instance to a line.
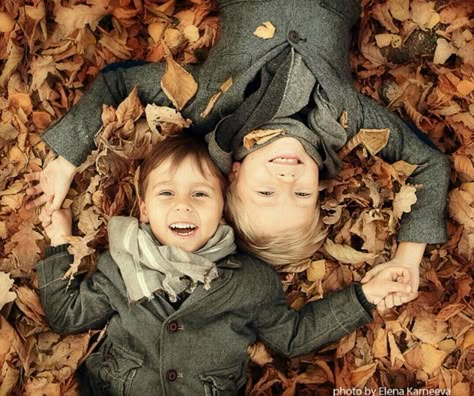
x=286, y=160
x=183, y=229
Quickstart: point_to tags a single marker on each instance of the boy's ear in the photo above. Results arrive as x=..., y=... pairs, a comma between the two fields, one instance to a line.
x=234, y=172
x=143, y=211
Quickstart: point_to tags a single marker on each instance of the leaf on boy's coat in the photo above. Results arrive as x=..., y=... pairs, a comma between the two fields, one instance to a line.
x=79, y=249
x=261, y=136
x=178, y=85
x=222, y=90
x=165, y=120
x=403, y=201
x=130, y=108
x=346, y=254
x=316, y=270
x=404, y=168
x=265, y=31
x=258, y=354
x=6, y=296
x=374, y=140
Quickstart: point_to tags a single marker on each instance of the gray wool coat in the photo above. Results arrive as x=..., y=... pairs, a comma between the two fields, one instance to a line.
x=316, y=30
x=200, y=348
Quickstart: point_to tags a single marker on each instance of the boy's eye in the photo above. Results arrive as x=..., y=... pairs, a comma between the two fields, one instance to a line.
x=265, y=193
x=200, y=194
x=165, y=193
x=302, y=194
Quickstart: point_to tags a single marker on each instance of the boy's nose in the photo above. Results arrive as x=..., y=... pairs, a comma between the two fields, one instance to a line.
x=183, y=207
x=287, y=174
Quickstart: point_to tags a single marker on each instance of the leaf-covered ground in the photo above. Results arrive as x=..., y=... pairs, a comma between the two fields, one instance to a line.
x=414, y=56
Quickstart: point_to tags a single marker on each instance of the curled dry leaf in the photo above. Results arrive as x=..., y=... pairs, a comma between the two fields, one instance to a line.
x=260, y=136
x=346, y=254
x=178, y=85
x=444, y=50
x=222, y=90
x=6, y=284
x=265, y=31
x=404, y=200
x=165, y=120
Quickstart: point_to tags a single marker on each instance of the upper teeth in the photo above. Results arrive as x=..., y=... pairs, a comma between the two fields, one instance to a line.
x=182, y=225
x=286, y=160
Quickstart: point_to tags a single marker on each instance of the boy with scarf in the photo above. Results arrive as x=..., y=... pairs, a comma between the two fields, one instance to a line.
x=299, y=83
x=181, y=306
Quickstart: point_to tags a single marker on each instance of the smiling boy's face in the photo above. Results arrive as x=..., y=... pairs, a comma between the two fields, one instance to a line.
x=182, y=205
x=278, y=184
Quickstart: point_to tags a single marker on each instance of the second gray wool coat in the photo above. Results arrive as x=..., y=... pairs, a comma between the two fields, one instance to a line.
x=318, y=32
x=200, y=348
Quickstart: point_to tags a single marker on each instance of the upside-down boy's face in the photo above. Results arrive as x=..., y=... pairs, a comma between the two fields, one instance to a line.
x=182, y=205
x=278, y=185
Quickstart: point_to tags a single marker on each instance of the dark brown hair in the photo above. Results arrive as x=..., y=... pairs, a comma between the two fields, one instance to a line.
x=178, y=148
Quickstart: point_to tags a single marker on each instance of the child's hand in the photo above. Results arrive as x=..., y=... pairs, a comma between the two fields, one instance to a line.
x=393, y=300
x=54, y=182
x=387, y=282
x=57, y=226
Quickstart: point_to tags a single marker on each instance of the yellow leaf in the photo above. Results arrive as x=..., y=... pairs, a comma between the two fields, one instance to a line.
x=222, y=90
x=403, y=201
x=316, y=270
x=379, y=347
x=465, y=87
x=461, y=206
x=260, y=136
x=7, y=23
x=361, y=375
x=404, y=168
x=258, y=354
x=178, y=85
x=156, y=30
x=78, y=16
x=375, y=139
x=399, y=9
x=191, y=33
x=346, y=254
x=386, y=39
x=267, y=31
x=443, y=51
x=432, y=358
x=6, y=295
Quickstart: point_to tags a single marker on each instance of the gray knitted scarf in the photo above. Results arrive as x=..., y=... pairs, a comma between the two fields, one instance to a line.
x=147, y=266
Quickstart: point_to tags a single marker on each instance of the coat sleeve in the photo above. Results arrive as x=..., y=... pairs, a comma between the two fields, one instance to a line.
x=426, y=223
x=81, y=124
x=72, y=306
x=319, y=323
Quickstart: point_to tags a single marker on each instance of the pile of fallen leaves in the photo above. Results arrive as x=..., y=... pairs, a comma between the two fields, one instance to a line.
x=416, y=57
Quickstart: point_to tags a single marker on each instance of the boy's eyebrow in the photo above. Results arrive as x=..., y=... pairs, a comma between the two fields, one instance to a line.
x=172, y=182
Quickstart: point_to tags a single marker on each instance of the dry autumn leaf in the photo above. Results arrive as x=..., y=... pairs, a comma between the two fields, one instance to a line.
x=346, y=254
x=404, y=200
x=265, y=31
x=261, y=136
x=178, y=85
x=6, y=296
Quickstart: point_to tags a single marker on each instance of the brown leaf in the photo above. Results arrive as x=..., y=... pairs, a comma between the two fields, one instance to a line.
x=165, y=120
x=178, y=85
x=222, y=90
x=29, y=303
x=6, y=296
x=404, y=200
x=130, y=108
x=7, y=23
x=258, y=354
x=361, y=375
x=346, y=254
x=316, y=270
x=260, y=136
x=23, y=245
x=78, y=16
x=265, y=31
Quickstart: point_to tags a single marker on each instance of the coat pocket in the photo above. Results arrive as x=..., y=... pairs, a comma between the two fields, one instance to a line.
x=118, y=369
x=348, y=10
x=223, y=382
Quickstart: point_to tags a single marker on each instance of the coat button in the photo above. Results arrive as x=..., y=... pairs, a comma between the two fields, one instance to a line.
x=294, y=36
x=171, y=375
x=173, y=326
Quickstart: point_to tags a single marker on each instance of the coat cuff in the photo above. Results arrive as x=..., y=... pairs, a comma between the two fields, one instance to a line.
x=52, y=250
x=368, y=306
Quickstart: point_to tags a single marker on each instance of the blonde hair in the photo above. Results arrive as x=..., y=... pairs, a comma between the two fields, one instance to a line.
x=277, y=250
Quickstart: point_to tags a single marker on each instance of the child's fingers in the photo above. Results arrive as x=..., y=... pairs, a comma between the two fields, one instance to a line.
x=37, y=202
x=32, y=176
x=56, y=203
x=34, y=190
